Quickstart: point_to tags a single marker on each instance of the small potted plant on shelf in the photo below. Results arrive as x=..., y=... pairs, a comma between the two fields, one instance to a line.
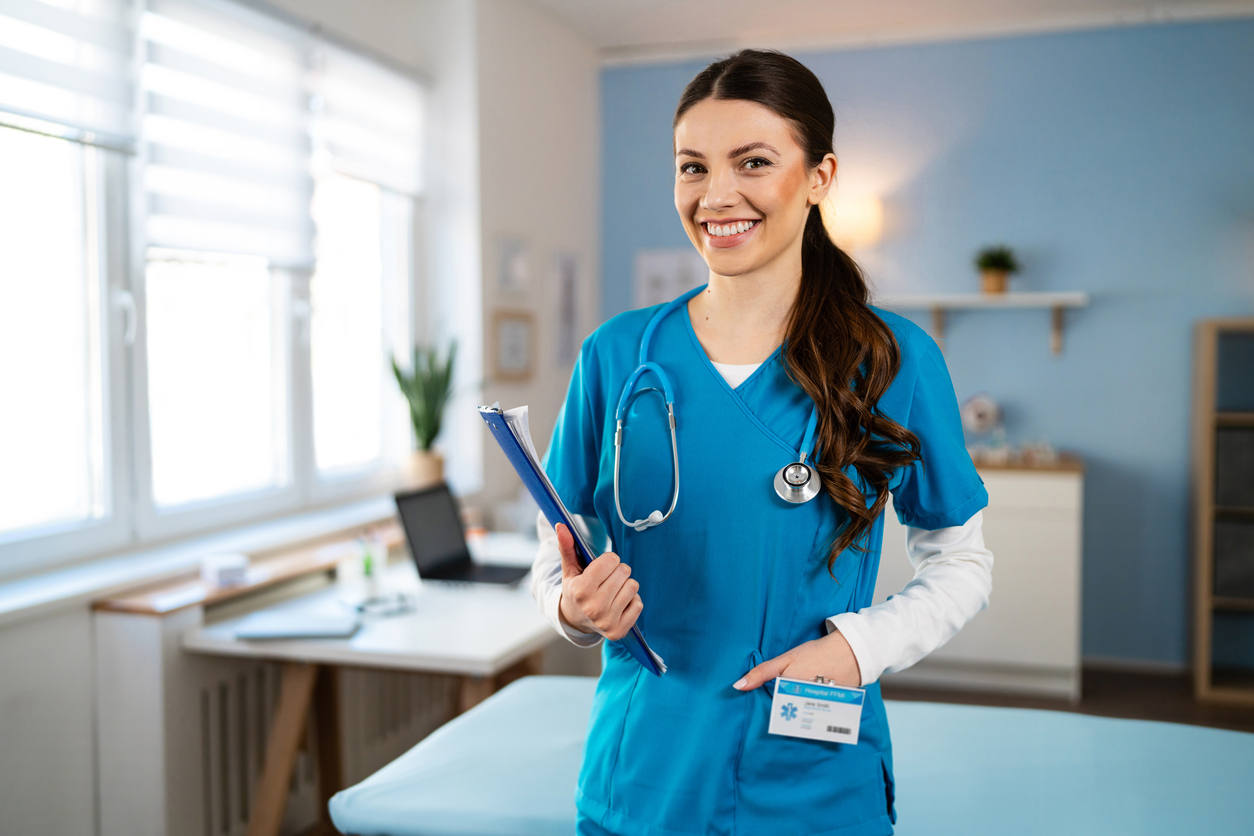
x=427, y=388
x=995, y=265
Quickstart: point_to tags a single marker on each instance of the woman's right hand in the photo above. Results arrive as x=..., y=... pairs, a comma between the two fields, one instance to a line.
x=600, y=599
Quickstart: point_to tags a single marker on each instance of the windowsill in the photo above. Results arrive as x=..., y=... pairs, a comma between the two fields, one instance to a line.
x=80, y=584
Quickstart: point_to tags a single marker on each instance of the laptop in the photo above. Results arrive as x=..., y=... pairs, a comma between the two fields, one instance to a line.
x=433, y=527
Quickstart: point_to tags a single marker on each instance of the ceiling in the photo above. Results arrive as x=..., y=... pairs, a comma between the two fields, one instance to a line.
x=629, y=31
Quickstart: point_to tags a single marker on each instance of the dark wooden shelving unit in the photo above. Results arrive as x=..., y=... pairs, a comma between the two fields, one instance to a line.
x=1223, y=496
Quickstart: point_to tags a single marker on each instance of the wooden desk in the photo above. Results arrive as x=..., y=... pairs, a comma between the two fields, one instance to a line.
x=487, y=635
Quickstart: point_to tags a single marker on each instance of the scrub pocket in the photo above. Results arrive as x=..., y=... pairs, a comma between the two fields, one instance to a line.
x=673, y=769
x=789, y=785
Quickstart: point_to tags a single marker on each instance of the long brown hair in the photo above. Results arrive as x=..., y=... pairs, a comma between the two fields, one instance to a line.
x=838, y=351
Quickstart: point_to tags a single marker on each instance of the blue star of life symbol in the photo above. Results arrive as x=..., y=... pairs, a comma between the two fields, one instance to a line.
x=788, y=711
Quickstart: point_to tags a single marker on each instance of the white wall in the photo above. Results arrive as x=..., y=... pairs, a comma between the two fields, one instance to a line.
x=46, y=741
x=539, y=145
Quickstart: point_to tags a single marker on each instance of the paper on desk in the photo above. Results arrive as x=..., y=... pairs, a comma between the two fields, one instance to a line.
x=269, y=624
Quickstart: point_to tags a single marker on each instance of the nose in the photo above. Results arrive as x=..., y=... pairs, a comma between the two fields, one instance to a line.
x=720, y=191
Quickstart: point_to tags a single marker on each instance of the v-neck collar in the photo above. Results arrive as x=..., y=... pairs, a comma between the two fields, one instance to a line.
x=735, y=393
x=709, y=364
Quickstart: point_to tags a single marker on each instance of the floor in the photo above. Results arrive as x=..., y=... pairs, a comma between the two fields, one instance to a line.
x=1108, y=693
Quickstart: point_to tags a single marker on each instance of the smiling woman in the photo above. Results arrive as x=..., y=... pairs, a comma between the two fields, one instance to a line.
x=757, y=574
x=754, y=160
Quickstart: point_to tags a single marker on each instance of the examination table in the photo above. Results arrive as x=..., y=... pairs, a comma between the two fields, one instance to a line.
x=508, y=767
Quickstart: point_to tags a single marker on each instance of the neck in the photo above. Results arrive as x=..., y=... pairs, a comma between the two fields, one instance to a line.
x=741, y=319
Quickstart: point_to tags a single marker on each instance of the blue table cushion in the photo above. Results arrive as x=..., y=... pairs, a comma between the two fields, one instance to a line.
x=509, y=768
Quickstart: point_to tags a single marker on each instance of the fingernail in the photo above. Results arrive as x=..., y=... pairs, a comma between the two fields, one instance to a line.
x=740, y=686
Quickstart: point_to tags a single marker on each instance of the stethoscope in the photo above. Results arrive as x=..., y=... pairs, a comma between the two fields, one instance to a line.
x=796, y=482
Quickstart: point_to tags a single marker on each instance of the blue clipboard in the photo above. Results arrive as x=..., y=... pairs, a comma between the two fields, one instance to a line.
x=541, y=490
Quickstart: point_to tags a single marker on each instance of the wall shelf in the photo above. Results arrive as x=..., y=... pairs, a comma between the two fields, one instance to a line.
x=940, y=303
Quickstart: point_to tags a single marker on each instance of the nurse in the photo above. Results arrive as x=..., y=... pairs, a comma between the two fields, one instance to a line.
x=733, y=575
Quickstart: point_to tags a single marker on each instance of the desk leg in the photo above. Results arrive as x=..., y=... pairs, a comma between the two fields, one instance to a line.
x=327, y=719
x=286, y=731
x=475, y=690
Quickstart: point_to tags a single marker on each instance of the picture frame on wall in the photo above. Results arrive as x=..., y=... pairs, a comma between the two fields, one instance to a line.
x=513, y=345
x=513, y=265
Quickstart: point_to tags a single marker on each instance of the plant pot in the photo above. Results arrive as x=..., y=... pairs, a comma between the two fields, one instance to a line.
x=426, y=468
x=994, y=281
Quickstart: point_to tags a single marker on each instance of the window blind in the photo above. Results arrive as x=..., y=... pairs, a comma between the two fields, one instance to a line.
x=225, y=131
x=367, y=120
x=65, y=69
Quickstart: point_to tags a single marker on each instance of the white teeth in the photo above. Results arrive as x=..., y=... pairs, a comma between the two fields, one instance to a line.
x=729, y=229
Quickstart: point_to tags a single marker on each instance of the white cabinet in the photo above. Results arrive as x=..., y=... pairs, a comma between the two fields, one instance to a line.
x=1028, y=640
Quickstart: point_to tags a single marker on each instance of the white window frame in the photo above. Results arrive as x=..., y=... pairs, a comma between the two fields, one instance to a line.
x=152, y=523
x=348, y=483
x=132, y=518
x=46, y=545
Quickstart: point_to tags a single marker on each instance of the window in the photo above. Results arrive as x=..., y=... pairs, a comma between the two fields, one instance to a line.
x=362, y=259
x=52, y=424
x=205, y=265
x=365, y=119
x=217, y=377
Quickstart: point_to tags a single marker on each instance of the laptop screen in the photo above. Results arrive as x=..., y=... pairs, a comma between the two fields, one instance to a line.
x=433, y=528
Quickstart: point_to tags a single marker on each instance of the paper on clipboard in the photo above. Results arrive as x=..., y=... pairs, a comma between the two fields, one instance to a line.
x=521, y=452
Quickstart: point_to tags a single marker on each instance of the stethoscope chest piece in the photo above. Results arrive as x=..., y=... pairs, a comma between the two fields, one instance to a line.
x=797, y=482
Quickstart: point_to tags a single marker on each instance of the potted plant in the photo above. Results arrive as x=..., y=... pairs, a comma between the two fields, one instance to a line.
x=995, y=265
x=427, y=388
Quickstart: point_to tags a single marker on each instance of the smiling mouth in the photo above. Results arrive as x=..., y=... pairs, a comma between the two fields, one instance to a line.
x=727, y=230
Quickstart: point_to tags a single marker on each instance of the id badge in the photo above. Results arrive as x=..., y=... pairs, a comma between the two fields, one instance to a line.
x=818, y=710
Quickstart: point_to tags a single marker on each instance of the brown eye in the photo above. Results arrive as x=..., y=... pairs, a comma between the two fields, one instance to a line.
x=756, y=162
x=690, y=168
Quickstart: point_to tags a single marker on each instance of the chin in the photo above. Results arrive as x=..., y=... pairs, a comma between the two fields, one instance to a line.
x=729, y=264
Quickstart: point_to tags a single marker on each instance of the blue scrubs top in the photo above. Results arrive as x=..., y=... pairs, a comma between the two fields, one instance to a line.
x=735, y=576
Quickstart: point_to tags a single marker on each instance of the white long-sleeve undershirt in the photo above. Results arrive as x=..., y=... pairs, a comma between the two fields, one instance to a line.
x=953, y=578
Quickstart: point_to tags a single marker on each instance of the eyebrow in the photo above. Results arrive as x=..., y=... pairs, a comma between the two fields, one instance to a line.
x=735, y=152
x=752, y=146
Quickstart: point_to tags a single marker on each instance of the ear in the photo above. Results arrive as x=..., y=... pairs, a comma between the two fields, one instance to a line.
x=822, y=176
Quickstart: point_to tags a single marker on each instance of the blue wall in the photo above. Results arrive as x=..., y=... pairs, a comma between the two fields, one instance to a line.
x=1118, y=162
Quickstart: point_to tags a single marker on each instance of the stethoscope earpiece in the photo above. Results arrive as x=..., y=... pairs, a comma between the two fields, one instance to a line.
x=648, y=522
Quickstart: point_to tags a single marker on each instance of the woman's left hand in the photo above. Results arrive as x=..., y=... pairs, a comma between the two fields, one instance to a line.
x=829, y=657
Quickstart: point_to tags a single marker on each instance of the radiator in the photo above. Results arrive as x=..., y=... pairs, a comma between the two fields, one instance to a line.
x=182, y=738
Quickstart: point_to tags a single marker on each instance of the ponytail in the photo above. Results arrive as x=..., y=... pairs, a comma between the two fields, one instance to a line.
x=844, y=357
x=838, y=351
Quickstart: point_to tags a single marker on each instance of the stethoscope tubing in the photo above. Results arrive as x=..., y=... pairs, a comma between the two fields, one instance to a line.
x=795, y=494
x=641, y=525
